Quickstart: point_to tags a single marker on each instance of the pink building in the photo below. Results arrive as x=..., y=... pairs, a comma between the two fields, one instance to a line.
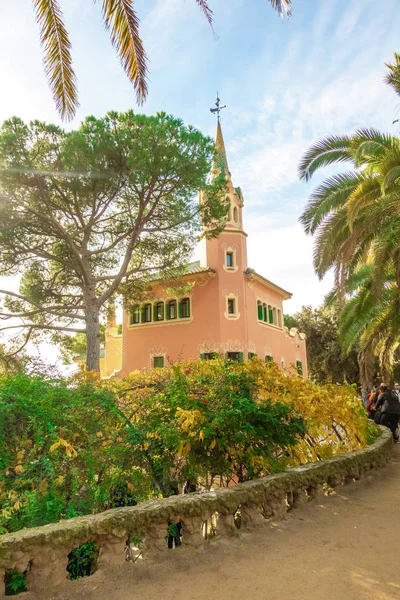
x=225, y=308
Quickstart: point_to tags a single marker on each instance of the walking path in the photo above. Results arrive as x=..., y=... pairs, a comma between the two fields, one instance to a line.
x=347, y=548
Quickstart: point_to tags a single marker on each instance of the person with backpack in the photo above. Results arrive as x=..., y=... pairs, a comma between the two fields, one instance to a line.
x=389, y=406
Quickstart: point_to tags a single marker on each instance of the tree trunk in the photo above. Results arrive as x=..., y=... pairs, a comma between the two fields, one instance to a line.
x=92, y=338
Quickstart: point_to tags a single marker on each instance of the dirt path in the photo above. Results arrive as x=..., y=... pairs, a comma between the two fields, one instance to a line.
x=348, y=548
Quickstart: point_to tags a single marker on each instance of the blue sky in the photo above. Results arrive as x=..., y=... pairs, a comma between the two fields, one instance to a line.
x=286, y=84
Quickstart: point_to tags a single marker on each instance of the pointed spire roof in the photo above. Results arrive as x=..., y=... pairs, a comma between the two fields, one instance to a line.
x=220, y=163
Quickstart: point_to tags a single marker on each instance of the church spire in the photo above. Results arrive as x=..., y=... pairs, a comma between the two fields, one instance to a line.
x=220, y=163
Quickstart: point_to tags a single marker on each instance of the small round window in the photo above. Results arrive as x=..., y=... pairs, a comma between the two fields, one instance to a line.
x=235, y=215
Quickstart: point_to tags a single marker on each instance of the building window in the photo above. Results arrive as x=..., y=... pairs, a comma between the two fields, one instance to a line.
x=251, y=355
x=209, y=355
x=135, y=315
x=159, y=311
x=231, y=306
x=269, y=358
x=299, y=366
x=265, y=313
x=237, y=356
x=229, y=259
x=259, y=311
x=146, y=314
x=171, y=309
x=158, y=362
x=184, y=306
x=279, y=318
x=275, y=320
x=270, y=315
x=235, y=215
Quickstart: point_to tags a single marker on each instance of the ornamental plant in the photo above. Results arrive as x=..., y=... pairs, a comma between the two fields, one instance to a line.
x=82, y=445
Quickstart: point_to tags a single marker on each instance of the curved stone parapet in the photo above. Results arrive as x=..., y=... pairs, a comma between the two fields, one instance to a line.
x=42, y=552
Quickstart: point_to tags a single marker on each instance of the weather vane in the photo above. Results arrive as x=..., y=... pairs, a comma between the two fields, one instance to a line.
x=217, y=108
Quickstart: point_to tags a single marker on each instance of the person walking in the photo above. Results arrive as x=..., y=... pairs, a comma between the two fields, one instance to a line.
x=389, y=405
x=397, y=390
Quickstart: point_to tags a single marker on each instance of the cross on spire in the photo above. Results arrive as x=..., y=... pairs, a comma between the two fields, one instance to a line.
x=217, y=108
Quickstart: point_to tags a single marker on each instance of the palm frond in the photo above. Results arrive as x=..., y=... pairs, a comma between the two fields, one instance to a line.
x=393, y=77
x=57, y=56
x=323, y=153
x=122, y=22
x=391, y=177
x=283, y=7
x=206, y=10
x=332, y=194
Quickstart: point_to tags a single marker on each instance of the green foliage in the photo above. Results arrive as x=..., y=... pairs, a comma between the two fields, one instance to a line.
x=15, y=583
x=355, y=218
x=84, y=210
x=64, y=451
x=78, y=446
x=82, y=561
x=326, y=360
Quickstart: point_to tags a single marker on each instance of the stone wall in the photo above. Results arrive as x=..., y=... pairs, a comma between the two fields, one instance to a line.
x=43, y=551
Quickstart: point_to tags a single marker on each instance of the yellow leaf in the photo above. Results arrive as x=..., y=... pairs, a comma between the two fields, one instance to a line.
x=99, y=434
x=18, y=469
x=54, y=446
x=59, y=480
x=130, y=486
x=201, y=435
x=20, y=456
x=43, y=486
x=213, y=444
x=17, y=505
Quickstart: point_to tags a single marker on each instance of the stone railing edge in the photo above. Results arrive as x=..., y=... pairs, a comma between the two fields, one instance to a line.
x=43, y=551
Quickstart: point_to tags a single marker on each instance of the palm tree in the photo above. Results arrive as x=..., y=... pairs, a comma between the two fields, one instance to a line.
x=121, y=20
x=355, y=216
x=368, y=324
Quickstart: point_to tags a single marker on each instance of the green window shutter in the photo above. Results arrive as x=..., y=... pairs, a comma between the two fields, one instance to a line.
x=269, y=358
x=265, y=313
x=143, y=314
x=202, y=356
x=271, y=315
x=260, y=312
x=155, y=312
x=299, y=366
x=226, y=355
x=162, y=312
x=158, y=362
x=180, y=309
x=167, y=311
x=241, y=357
x=251, y=355
x=188, y=307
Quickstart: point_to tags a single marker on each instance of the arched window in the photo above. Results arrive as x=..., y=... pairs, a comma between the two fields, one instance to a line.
x=146, y=313
x=259, y=311
x=270, y=315
x=159, y=311
x=235, y=215
x=265, y=318
x=135, y=315
x=279, y=318
x=184, y=308
x=274, y=317
x=171, y=309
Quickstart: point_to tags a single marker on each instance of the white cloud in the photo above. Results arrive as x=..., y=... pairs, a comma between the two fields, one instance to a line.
x=284, y=255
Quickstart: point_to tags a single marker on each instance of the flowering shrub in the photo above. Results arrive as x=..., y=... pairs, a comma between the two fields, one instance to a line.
x=71, y=447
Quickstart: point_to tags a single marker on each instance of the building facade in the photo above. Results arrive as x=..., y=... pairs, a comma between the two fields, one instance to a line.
x=226, y=308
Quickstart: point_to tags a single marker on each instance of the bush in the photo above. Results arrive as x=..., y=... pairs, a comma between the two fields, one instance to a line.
x=77, y=446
